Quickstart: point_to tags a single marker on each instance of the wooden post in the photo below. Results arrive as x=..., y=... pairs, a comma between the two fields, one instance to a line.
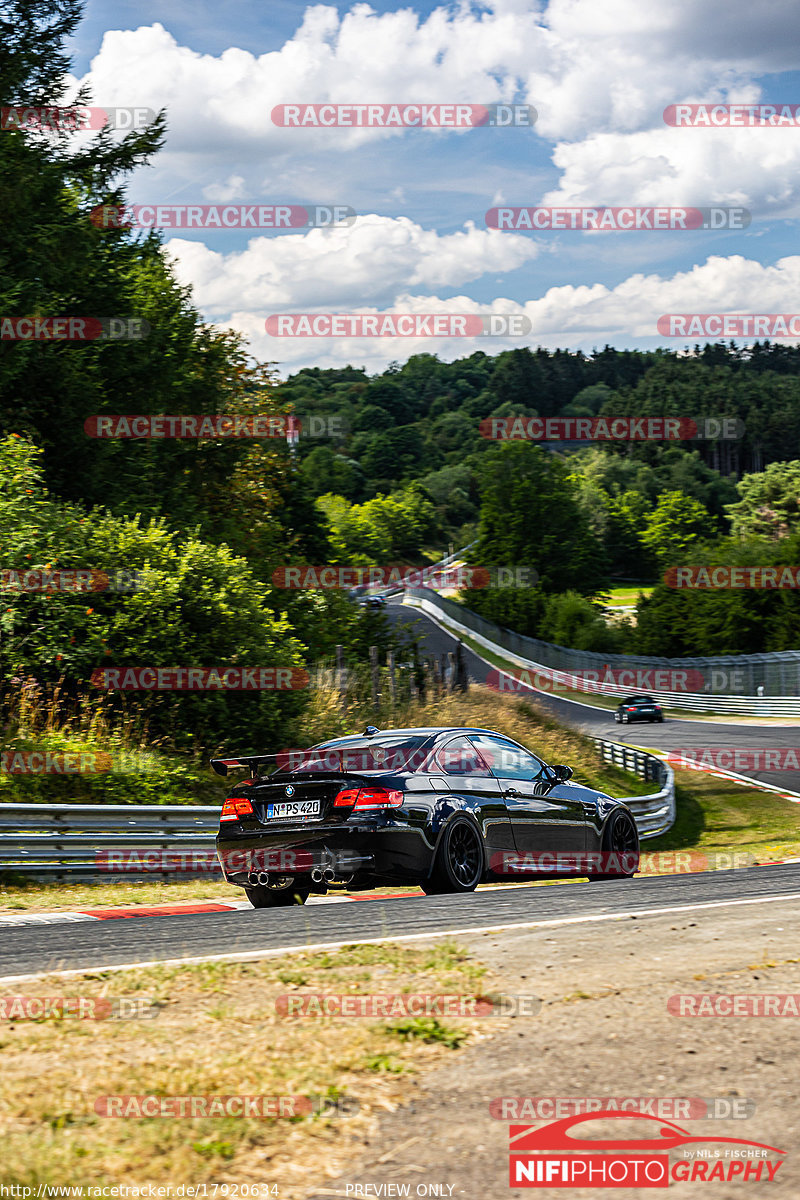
x=341, y=678
x=375, y=674
x=437, y=677
x=392, y=683
x=462, y=675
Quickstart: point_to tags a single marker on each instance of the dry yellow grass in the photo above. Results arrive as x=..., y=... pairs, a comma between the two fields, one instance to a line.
x=218, y=1033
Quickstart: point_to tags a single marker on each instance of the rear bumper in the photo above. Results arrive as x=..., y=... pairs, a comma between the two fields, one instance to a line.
x=328, y=853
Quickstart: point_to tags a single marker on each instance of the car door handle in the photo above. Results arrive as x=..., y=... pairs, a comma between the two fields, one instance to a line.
x=511, y=792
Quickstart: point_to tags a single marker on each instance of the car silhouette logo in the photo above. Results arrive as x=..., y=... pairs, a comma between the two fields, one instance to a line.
x=289, y=790
x=557, y=1136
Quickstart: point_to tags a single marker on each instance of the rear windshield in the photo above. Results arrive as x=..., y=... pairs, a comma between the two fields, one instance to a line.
x=638, y=700
x=387, y=753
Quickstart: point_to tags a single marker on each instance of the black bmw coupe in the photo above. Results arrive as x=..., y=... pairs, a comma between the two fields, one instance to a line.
x=443, y=809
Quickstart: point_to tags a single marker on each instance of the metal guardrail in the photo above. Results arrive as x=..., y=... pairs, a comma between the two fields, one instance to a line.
x=654, y=814
x=778, y=674
x=78, y=841
x=44, y=841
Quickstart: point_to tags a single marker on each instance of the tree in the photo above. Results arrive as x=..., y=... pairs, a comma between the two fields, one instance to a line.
x=674, y=526
x=769, y=504
x=531, y=517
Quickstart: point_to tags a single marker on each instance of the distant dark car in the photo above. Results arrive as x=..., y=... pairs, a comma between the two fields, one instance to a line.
x=638, y=708
x=376, y=601
x=440, y=808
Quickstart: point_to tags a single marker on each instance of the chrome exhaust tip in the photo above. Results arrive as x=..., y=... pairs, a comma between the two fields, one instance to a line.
x=252, y=878
x=263, y=878
x=328, y=874
x=316, y=875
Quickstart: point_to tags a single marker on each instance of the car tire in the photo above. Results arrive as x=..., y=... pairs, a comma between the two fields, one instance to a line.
x=277, y=897
x=620, y=836
x=459, y=862
x=660, y=718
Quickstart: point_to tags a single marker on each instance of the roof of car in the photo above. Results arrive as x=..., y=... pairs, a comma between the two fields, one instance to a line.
x=420, y=731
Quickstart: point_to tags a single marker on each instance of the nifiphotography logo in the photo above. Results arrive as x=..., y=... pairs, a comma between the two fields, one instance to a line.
x=557, y=1155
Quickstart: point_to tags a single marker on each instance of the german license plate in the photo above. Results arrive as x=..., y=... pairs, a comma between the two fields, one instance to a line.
x=293, y=810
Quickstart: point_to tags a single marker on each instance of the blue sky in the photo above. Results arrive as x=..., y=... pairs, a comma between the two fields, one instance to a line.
x=599, y=77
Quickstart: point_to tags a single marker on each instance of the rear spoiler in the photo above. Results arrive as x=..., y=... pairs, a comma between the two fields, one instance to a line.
x=224, y=766
x=326, y=759
x=289, y=760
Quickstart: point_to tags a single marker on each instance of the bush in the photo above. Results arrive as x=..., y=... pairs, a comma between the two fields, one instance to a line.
x=198, y=606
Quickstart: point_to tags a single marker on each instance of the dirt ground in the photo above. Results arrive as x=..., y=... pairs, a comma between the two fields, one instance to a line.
x=604, y=1030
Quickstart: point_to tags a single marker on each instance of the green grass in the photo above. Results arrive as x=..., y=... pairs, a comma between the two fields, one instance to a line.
x=718, y=816
x=625, y=596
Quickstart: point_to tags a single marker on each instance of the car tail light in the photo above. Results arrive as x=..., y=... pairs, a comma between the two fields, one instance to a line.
x=235, y=807
x=361, y=798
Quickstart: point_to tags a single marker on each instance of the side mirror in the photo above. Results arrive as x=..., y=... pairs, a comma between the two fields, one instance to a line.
x=562, y=773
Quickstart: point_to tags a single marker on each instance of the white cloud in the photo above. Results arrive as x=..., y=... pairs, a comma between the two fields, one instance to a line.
x=223, y=193
x=577, y=317
x=599, y=76
x=586, y=67
x=757, y=168
x=366, y=263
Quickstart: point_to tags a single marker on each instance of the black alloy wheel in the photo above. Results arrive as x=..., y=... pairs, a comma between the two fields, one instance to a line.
x=459, y=860
x=620, y=837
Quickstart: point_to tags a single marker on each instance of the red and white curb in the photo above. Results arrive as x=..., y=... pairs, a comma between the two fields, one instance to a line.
x=719, y=773
x=9, y=920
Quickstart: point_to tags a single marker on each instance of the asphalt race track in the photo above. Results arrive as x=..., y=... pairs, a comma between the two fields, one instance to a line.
x=671, y=735
x=34, y=949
